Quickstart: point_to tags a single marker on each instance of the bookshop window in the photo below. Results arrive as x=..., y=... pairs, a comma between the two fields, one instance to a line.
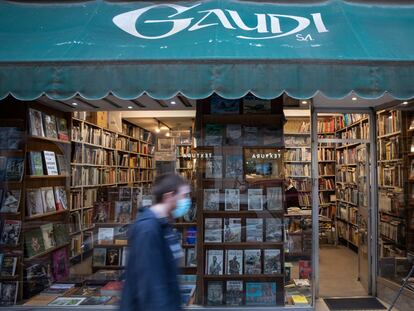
x=395, y=143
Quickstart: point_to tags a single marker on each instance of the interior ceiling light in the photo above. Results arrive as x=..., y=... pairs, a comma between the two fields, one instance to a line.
x=130, y=107
x=74, y=104
x=173, y=102
x=354, y=98
x=405, y=103
x=167, y=134
x=304, y=102
x=158, y=128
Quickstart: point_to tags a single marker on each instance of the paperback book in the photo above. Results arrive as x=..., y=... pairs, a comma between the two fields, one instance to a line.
x=274, y=199
x=113, y=256
x=101, y=212
x=61, y=199
x=234, y=293
x=33, y=241
x=274, y=230
x=214, y=263
x=214, y=293
x=105, y=235
x=36, y=123
x=48, y=235
x=260, y=293
x=255, y=199
x=232, y=200
x=8, y=266
x=191, y=257
x=62, y=127
x=254, y=230
x=36, y=163
x=252, y=261
x=48, y=199
x=11, y=232
x=49, y=122
x=212, y=230
x=99, y=257
x=50, y=162
x=8, y=292
x=234, y=261
x=234, y=166
x=14, y=169
x=60, y=264
x=214, y=167
x=11, y=201
x=211, y=199
x=232, y=230
x=123, y=211
x=272, y=262
x=61, y=233
x=62, y=164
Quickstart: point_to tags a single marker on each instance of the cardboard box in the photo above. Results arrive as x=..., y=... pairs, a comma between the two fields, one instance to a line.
x=99, y=118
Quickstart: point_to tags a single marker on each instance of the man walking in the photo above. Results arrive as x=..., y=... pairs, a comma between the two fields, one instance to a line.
x=151, y=276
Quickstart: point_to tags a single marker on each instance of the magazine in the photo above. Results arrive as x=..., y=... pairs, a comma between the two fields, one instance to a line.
x=214, y=262
x=274, y=230
x=11, y=201
x=272, y=262
x=255, y=199
x=211, y=199
x=191, y=258
x=252, y=261
x=214, y=293
x=232, y=200
x=48, y=199
x=234, y=261
x=61, y=199
x=49, y=123
x=14, y=169
x=234, y=166
x=123, y=211
x=220, y=105
x=232, y=230
x=234, y=293
x=213, y=135
x=260, y=293
x=214, y=167
x=212, y=230
x=36, y=123
x=274, y=199
x=11, y=232
x=254, y=230
x=234, y=134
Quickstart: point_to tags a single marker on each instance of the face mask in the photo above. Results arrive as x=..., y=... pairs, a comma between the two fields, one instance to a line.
x=183, y=206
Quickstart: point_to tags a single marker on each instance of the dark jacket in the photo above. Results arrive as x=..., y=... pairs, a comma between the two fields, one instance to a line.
x=151, y=275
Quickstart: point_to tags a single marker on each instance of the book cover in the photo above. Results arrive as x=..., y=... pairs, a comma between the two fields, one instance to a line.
x=260, y=293
x=234, y=166
x=105, y=235
x=60, y=264
x=232, y=230
x=213, y=135
x=36, y=163
x=87, y=290
x=10, y=138
x=121, y=234
x=232, y=200
x=274, y=230
x=48, y=235
x=234, y=262
x=125, y=256
x=214, y=167
x=11, y=232
x=11, y=201
x=255, y=105
x=252, y=261
x=211, y=199
x=37, y=277
x=33, y=242
x=123, y=211
x=251, y=136
x=14, y=169
x=113, y=288
x=272, y=136
x=34, y=203
x=8, y=266
x=113, y=256
x=272, y=263
x=220, y=105
x=187, y=292
x=67, y=301
x=62, y=164
x=48, y=199
x=274, y=199
x=101, y=212
x=212, y=230
x=299, y=300
x=96, y=300
x=234, y=134
x=214, y=293
x=1, y=259
x=125, y=193
x=3, y=162
x=234, y=293
x=214, y=262
x=255, y=199
x=36, y=123
x=62, y=128
x=254, y=230
x=99, y=257
x=61, y=233
x=61, y=200
x=49, y=123
x=191, y=260
x=50, y=162
x=305, y=269
x=9, y=292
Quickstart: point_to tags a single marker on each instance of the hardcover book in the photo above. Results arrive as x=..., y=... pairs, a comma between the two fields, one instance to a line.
x=214, y=167
x=212, y=230
x=272, y=262
x=220, y=105
x=61, y=233
x=101, y=212
x=213, y=135
x=36, y=163
x=214, y=263
x=62, y=164
x=252, y=261
x=232, y=230
x=14, y=169
x=105, y=235
x=274, y=199
x=8, y=293
x=255, y=199
x=62, y=127
x=50, y=162
x=232, y=200
x=11, y=232
x=49, y=122
x=48, y=235
x=99, y=257
x=113, y=256
x=123, y=211
x=254, y=230
x=8, y=266
x=214, y=293
x=211, y=199
x=234, y=293
x=305, y=269
x=234, y=261
x=33, y=241
x=11, y=201
x=61, y=199
x=234, y=134
x=255, y=105
x=36, y=123
x=274, y=230
x=260, y=293
x=48, y=199
x=234, y=166
x=191, y=258
x=60, y=264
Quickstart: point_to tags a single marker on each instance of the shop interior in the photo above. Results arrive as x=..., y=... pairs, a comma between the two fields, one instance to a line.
x=76, y=172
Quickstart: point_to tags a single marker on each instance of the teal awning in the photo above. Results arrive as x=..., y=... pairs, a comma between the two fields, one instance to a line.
x=94, y=48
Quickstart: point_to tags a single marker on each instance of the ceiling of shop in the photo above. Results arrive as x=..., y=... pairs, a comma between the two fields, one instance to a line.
x=174, y=124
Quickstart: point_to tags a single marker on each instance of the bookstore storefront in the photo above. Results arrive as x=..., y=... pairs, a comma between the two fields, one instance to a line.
x=79, y=148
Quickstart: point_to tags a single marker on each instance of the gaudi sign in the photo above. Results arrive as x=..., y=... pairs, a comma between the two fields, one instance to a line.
x=266, y=26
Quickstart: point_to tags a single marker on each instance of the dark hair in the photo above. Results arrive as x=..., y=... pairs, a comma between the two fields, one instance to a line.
x=166, y=183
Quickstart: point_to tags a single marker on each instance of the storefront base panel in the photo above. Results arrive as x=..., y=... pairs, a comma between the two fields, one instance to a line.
x=387, y=291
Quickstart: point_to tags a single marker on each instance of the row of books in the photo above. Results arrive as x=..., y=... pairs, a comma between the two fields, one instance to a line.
x=304, y=199
x=114, y=256
x=389, y=149
x=389, y=122
x=303, y=185
x=298, y=170
x=297, y=126
x=392, y=229
x=46, y=200
x=326, y=169
x=326, y=154
x=348, y=119
x=295, y=141
x=357, y=132
x=47, y=163
x=183, y=151
x=256, y=200
x=299, y=154
x=326, y=125
x=137, y=132
x=242, y=262
x=254, y=230
x=46, y=125
x=347, y=156
x=391, y=175
x=348, y=194
x=47, y=236
x=326, y=184
x=346, y=175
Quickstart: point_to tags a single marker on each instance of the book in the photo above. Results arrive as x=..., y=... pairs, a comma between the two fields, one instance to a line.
x=214, y=167
x=187, y=291
x=50, y=162
x=232, y=200
x=211, y=199
x=305, y=269
x=220, y=105
x=274, y=199
x=49, y=124
x=301, y=282
x=234, y=166
x=214, y=262
x=67, y=301
x=191, y=260
x=213, y=135
x=214, y=293
x=272, y=263
x=37, y=276
x=125, y=193
x=254, y=230
x=105, y=235
x=120, y=234
x=87, y=290
x=212, y=230
x=96, y=300
x=62, y=129
x=125, y=256
x=274, y=230
x=8, y=266
x=234, y=261
x=11, y=201
x=234, y=293
x=101, y=212
x=113, y=256
x=272, y=136
x=8, y=292
x=36, y=163
x=252, y=261
x=48, y=235
x=14, y=169
x=255, y=105
x=10, y=138
x=232, y=230
x=255, y=199
x=113, y=288
x=251, y=136
x=62, y=164
x=123, y=211
x=48, y=199
x=33, y=242
x=61, y=200
x=11, y=232
x=36, y=123
x=34, y=203
x=260, y=293
x=234, y=134
x=99, y=257
x=1, y=260
x=103, y=276
x=60, y=262
x=61, y=233
x=299, y=300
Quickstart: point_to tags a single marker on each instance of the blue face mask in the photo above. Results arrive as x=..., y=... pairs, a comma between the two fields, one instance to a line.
x=183, y=206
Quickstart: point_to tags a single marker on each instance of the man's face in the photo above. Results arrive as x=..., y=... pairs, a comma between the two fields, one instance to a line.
x=182, y=193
